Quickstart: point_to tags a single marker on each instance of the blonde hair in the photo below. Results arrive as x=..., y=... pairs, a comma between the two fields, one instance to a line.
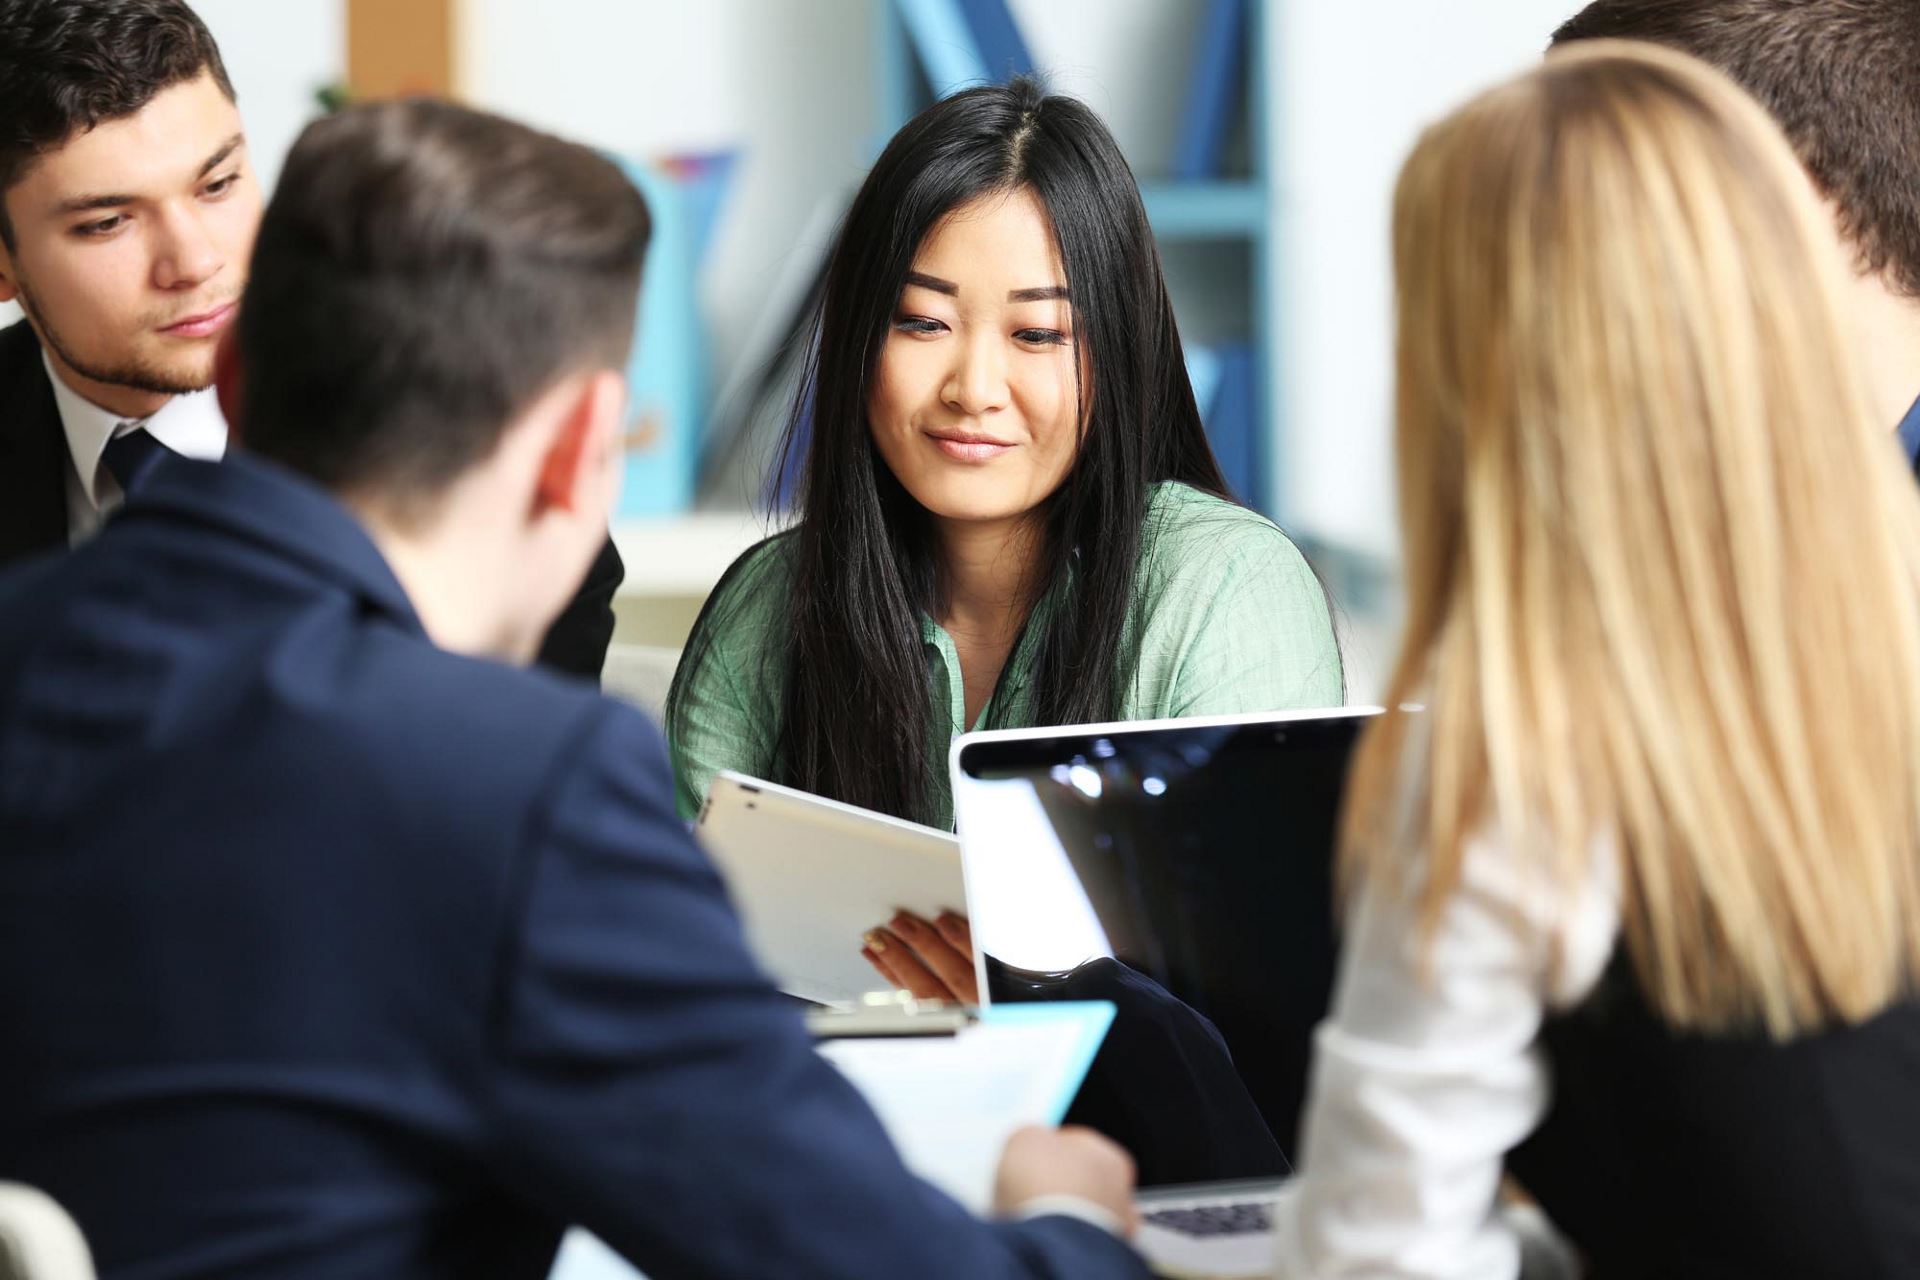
x=1663, y=565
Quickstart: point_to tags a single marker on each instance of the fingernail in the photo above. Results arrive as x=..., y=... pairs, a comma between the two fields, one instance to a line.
x=876, y=941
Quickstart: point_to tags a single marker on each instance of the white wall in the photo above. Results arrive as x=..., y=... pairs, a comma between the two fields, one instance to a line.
x=1127, y=59
x=1358, y=82
x=792, y=86
x=277, y=55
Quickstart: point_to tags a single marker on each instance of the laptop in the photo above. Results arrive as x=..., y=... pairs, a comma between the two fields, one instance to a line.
x=1182, y=869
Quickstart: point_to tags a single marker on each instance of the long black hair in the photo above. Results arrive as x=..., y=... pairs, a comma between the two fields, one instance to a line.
x=864, y=559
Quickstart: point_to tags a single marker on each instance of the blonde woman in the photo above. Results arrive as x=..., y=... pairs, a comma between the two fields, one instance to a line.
x=1655, y=837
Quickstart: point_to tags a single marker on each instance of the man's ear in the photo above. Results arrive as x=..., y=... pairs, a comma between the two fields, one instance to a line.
x=9, y=273
x=573, y=469
x=228, y=376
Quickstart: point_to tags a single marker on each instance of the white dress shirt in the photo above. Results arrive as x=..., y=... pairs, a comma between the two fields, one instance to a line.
x=1426, y=1072
x=191, y=425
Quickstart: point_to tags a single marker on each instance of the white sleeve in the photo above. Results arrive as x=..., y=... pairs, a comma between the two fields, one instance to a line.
x=1426, y=1073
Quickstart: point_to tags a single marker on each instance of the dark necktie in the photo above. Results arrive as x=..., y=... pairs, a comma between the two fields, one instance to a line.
x=129, y=457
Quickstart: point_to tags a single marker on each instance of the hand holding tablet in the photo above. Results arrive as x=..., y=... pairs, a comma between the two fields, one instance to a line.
x=929, y=959
x=813, y=877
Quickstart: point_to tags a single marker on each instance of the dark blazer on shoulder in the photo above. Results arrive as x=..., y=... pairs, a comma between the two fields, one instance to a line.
x=328, y=953
x=33, y=451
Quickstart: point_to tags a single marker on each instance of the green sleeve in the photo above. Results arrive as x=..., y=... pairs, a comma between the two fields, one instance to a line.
x=1247, y=628
x=727, y=708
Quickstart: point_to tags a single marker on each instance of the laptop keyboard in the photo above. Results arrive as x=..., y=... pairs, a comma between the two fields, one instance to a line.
x=1250, y=1218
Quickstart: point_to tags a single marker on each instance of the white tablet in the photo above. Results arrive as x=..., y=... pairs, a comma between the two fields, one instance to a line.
x=811, y=876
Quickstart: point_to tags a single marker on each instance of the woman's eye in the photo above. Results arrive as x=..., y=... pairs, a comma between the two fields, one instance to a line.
x=917, y=324
x=221, y=186
x=1041, y=337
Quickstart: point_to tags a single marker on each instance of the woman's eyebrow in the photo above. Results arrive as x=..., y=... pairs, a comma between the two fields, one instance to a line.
x=1039, y=293
x=934, y=283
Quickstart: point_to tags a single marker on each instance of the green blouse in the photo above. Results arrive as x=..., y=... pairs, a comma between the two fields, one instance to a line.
x=1228, y=618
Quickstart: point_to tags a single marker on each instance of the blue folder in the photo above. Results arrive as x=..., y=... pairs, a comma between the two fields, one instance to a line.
x=1002, y=48
x=948, y=51
x=1232, y=425
x=1214, y=85
x=1093, y=1017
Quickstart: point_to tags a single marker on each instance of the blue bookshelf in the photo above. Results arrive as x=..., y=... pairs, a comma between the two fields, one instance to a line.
x=923, y=52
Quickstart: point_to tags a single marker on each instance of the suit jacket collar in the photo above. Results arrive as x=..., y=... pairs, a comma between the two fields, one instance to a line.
x=33, y=451
x=284, y=513
x=189, y=424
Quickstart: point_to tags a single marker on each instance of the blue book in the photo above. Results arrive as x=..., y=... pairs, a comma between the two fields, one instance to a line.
x=1233, y=424
x=793, y=464
x=1214, y=86
x=705, y=179
x=997, y=36
x=665, y=374
x=1203, y=374
x=945, y=44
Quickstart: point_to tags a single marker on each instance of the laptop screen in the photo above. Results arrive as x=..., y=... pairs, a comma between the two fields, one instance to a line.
x=1183, y=870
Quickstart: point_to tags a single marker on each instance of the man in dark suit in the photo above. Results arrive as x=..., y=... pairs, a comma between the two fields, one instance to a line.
x=1839, y=77
x=128, y=207
x=333, y=943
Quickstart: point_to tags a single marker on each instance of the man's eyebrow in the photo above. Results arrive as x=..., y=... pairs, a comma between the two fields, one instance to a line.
x=83, y=204
x=88, y=203
x=1045, y=293
x=219, y=157
x=934, y=283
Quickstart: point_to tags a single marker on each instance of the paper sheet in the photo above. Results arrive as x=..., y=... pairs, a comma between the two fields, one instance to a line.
x=950, y=1102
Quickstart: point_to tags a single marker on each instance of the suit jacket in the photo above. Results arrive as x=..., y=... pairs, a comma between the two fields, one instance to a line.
x=328, y=953
x=33, y=504
x=1675, y=1155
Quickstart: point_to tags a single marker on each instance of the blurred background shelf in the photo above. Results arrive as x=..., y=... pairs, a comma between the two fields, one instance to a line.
x=1283, y=249
x=673, y=555
x=672, y=564
x=1206, y=210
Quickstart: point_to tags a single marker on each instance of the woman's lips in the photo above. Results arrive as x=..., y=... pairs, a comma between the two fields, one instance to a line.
x=204, y=325
x=969, y=448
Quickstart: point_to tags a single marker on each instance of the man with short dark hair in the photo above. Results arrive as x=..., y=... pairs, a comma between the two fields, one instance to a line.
x=1842, y=77
x=335, y=945
x=128, y=207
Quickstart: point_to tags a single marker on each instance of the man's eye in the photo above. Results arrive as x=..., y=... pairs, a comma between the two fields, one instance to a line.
x=220, y=186
x=102, y=227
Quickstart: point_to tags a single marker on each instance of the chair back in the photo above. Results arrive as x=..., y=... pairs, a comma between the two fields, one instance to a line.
x=38, y=1241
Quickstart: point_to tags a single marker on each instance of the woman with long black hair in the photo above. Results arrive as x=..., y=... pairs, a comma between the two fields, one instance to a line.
x=1008, y=513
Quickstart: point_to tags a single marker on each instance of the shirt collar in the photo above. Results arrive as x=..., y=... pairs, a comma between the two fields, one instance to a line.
x=191, y=425
x=1019, y=669
x=1910, y=434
